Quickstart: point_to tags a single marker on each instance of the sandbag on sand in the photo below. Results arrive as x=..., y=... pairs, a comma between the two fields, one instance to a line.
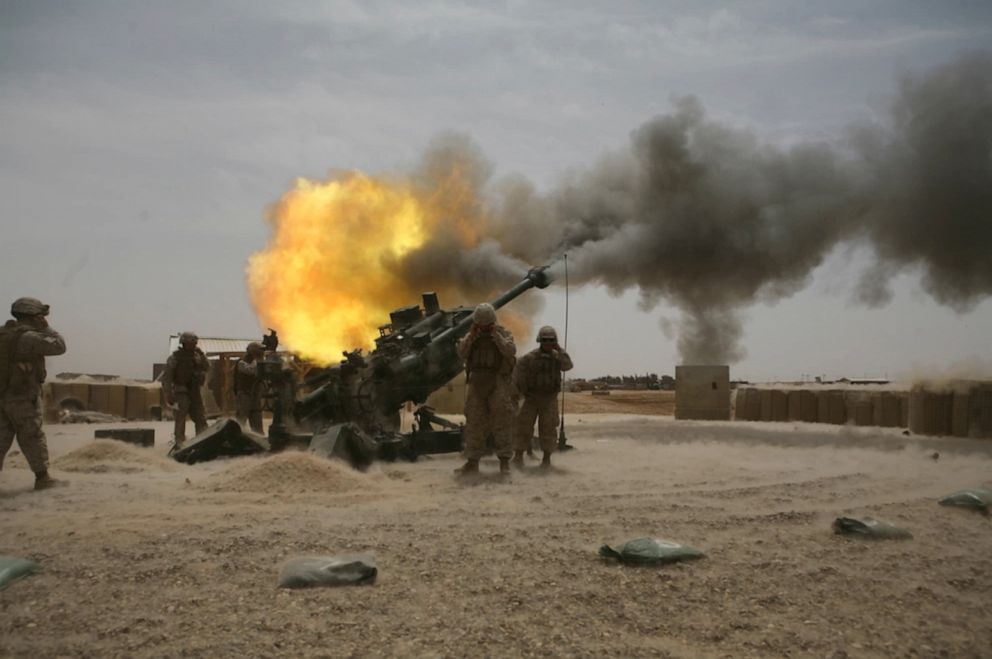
x=288, y=473
x=12, y=569
x=975, y=498
x=870, y=528
x=105, y=455
x=310, y=572
x=650, y=551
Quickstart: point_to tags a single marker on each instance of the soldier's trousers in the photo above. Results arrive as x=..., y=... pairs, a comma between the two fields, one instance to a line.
x=22, y=418
x=488, y=410
x=543, y=409
x=248, y=408
x=189, y=404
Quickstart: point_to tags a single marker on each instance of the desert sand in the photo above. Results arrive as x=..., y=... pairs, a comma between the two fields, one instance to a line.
x=144, y=557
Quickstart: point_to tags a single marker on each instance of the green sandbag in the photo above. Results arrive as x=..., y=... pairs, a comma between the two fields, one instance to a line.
x=650, y=551
x=310, y=572
x=870, y=528
x=975, y=498
x=12, y=569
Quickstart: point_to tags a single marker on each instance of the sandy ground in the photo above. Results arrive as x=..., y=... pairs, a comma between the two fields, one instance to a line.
x=144, y=557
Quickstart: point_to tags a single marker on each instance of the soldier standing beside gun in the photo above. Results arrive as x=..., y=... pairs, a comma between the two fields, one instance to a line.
x=248, y=388
x=489, y=354
x=185, y=372
x=24, y=344
x=538, y=379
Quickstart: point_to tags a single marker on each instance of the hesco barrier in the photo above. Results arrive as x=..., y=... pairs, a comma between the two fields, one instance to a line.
x=960, y=408
x=132, y=402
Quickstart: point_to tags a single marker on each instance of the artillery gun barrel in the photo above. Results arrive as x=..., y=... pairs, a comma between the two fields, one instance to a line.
x=537, y=277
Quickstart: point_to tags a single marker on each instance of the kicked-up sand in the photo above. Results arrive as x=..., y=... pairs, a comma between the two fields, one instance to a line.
x=144, y=557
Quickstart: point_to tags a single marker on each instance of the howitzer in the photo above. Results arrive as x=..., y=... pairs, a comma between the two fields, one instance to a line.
x=353, y=409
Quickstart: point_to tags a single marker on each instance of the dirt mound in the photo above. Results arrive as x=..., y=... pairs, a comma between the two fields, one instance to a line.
x=289, y=473
x=104, y=455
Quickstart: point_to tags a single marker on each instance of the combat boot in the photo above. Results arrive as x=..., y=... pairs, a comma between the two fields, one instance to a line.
x=504, y=466
x=546, y=461
x=470, y=467
x=518, y=458
x=43, y=481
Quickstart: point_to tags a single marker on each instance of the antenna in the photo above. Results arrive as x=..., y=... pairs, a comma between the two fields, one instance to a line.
x=562, y=439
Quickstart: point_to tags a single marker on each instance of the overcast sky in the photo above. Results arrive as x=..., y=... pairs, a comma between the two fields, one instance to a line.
x=140, y=144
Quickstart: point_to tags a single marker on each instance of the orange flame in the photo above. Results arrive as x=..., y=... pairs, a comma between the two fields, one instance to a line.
x=324, y=281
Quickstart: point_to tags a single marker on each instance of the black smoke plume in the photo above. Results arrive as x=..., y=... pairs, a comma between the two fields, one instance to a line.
x=710, y=219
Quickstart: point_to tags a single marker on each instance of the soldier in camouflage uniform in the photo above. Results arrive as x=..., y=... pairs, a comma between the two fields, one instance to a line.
x=24, y=344
x=537, y=377
x=248, y=388
x=489, y=354
x=185, y=373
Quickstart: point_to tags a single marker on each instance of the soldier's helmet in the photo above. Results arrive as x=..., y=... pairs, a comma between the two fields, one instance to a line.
x=188, y=337
x=484, y=314
x=28, y=306
x=547, y=333
x=256, y=347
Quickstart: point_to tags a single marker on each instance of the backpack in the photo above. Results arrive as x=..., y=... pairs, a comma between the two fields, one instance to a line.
x=10, y=335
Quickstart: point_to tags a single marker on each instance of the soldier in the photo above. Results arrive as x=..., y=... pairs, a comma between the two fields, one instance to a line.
x=489, y=354
x=24, y=344
x=538, y=379
x=248, y=388
x=185, y=372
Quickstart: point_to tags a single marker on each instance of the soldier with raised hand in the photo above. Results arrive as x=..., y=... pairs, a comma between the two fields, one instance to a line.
x=25, y=341
x=538, y=379
x=185, y=373
x=248, y=388
x=489, y=354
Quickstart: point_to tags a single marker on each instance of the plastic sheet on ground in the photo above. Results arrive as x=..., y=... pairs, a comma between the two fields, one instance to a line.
x=650, y=551
x=976, y=498
x=314, y=571
x=870, y=528
x=12, y=569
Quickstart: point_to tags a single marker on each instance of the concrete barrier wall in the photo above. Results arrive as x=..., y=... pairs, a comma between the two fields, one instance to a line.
x=702, y=392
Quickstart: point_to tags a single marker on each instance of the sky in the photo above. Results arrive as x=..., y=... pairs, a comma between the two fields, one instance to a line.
x=141, y=145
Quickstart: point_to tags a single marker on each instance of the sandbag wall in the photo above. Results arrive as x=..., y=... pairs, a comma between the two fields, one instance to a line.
x=836, y=406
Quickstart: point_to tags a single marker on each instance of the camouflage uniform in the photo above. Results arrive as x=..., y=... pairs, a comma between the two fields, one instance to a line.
x=489, y=362
x=185, y=372
x=537, y=377
x=248, y=389
x=20, y=403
